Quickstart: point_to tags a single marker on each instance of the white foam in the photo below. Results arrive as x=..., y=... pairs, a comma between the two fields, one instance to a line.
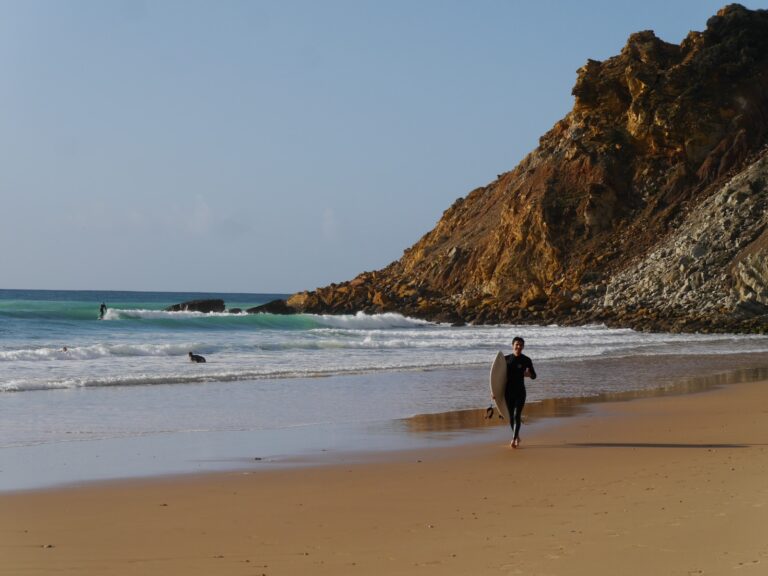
x=139, y=313
x=95, y=351
x=362, y=321
x=122, y=355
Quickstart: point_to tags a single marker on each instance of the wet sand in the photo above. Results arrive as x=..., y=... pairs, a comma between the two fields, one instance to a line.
x=660, y=485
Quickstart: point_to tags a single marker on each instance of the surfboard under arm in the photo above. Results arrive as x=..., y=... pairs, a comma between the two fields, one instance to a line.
x=498, y=382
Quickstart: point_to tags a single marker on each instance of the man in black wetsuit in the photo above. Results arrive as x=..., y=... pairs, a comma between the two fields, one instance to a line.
x=518, y=367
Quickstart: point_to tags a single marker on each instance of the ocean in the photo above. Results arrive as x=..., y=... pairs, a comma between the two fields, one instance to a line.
x=86, y=399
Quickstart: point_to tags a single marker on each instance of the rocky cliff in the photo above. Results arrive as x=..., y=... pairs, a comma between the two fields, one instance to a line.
x=646, y=206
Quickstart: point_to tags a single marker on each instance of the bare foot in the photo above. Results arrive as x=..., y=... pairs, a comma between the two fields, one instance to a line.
x=515, y=442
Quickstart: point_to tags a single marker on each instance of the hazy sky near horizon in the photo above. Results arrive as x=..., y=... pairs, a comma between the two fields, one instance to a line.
x=273, y=146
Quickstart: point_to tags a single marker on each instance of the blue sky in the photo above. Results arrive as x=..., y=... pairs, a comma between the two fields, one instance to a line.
x=273, y=146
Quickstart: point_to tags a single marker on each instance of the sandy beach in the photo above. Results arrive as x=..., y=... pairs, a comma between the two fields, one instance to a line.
x=663, y=485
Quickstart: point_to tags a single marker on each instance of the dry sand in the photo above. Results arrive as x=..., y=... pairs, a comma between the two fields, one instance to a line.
x=670, y=485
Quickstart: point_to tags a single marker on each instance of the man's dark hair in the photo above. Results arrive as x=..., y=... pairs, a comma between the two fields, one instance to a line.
x=518, y=339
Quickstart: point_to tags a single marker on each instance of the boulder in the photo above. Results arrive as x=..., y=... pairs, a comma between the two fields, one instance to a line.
x=273, y=307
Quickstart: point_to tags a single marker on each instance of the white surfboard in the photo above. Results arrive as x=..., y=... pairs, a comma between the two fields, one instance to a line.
x=499, y=384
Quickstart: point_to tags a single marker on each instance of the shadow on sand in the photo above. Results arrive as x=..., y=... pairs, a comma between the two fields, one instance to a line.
x=651, y=445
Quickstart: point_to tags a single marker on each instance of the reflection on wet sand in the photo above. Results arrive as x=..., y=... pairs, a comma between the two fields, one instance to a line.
x=563, y=407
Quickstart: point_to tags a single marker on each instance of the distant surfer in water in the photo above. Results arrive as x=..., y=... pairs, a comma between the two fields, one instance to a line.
x=102, y=311
x=196, y=358
x=518, y=367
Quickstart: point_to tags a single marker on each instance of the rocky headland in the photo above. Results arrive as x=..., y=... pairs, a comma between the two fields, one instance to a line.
x=646, y=206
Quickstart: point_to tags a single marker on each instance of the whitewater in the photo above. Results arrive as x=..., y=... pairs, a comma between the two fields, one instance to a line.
x=67, y=377
x=54, y=341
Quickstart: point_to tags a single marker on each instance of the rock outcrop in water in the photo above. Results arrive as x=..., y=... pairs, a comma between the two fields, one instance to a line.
x=646, y=206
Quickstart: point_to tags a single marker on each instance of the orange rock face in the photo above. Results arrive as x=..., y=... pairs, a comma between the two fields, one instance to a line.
x=654, y=132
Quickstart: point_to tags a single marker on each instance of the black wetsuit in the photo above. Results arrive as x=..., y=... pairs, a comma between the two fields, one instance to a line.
x=515, y=393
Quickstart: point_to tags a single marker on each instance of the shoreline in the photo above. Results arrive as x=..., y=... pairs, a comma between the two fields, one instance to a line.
x=90, y=462
x=671, y=484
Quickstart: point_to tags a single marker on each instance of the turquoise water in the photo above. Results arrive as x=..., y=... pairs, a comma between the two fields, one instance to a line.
x=53, y=340
x=281, y=385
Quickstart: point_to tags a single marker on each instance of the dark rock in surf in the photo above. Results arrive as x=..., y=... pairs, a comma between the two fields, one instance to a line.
x=273, y=307
x=206, y=306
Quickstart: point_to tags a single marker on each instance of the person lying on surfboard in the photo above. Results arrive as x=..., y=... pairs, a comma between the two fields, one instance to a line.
x=518, y=367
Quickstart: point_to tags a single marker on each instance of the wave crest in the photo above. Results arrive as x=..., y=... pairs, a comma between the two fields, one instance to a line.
x=363, y=321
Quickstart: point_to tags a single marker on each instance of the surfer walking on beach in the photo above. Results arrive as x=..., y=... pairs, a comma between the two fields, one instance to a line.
x=518, y=367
